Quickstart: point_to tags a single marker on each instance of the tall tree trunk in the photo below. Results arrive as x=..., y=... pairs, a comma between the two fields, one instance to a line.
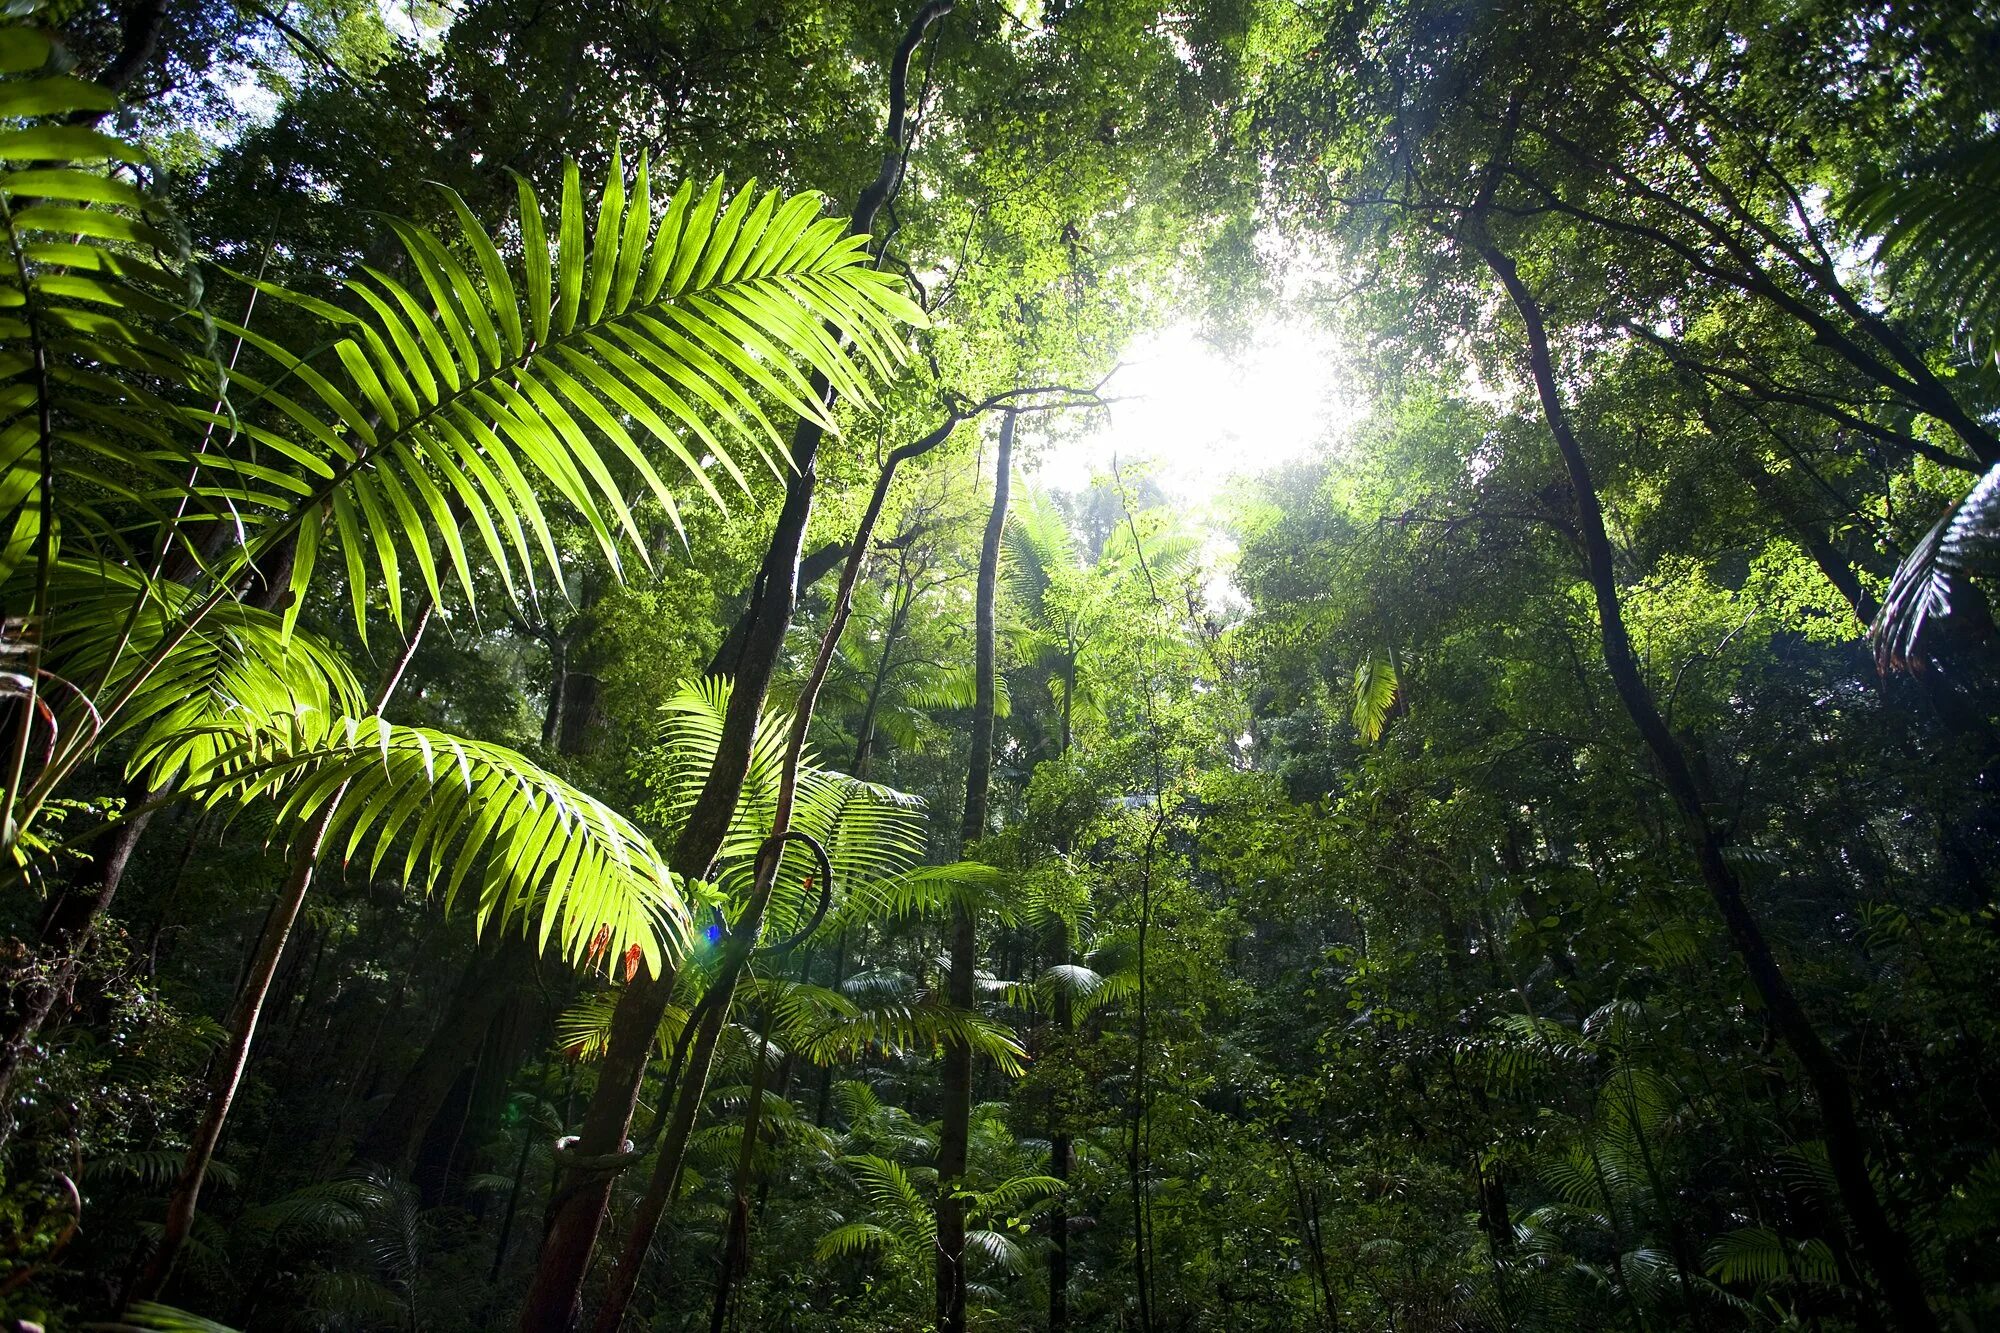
x=664, y=1184
x=736, y=1248
x=577, y=1212
x=1062, y=1161
x=899, y=614
x=961, y=986
x=1882, y=1242
x=226, y=1074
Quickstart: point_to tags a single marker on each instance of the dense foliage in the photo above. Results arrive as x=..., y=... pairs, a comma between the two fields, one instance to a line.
x=563, y=764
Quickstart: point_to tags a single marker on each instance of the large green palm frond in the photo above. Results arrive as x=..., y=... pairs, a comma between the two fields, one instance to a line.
x=1375, y=689
x=1040, y=548
x=150, y=1317
x=548, y=856
x=853, y=1239
x=98, y=322
x=889, y=1189
x=234, y=677
x=953, y=686
x=1939, y=227
x=914, y=1025
x=481, y=382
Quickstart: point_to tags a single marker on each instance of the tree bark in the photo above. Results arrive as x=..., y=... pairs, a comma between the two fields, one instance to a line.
x=1882, y=1242
x=961, y=986
x=714, y=1015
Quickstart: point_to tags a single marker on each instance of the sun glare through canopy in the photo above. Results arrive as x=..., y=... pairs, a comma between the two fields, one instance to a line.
x=1199, y=414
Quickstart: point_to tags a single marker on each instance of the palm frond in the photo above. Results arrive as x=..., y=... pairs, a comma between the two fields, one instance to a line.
x=1759, y=1254
x=953, y=688
x=103, y=340
x=855, y=1238
x=1966, y=540
x=148, y=1317
x=1040, y=548
x=1939, y=226
x=1375, y=687
x=548, y=856
x=998, y=1249
x=1019, y=1194
x=472, y=388
x=873, y=835
x=890, y=1190
x=235, y=677
x=926, y=891
x=901, y=1026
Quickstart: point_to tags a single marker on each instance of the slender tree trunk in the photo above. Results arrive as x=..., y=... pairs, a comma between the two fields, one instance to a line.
x=864, y=741
x=1882, y=1242
x=664, y=1184
x=736, y=1249
x=961, y=986
x=1062, y=1161
x=513, y=1202
x=577, y=1213
x=581, y=1195
x=227, y=1072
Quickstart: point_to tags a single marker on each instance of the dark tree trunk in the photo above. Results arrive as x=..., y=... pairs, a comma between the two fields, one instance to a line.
x=750, y=655
x=736, y=1248
x=961, y=986
x=1882, y=1241
x=397, y=1134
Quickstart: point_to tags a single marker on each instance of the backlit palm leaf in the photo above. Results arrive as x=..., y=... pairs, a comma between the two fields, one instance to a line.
x=1375, y=687
x=480, y=384
x=1966, y=540
x=147, y=1317
x=96, y=329
x=546, y=855
x=232, y=678
x=873, y=835
x=1940, y=230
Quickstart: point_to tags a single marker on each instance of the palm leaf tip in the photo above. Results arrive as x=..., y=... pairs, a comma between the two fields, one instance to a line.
x=1375, y=690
